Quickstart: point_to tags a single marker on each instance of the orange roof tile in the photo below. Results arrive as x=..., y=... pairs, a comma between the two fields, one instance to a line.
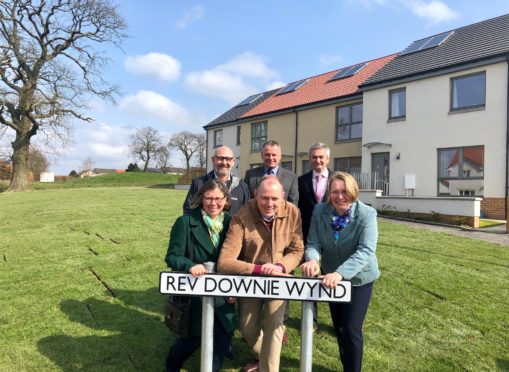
x=318, y=88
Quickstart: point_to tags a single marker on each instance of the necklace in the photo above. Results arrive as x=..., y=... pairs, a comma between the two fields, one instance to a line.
x=338, y=222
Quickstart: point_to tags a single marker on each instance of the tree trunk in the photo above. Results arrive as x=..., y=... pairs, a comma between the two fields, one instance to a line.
x=19, y=180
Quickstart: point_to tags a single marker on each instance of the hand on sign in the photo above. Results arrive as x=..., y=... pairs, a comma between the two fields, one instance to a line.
x=273, y=270
x=310, y=268
x=331, y=280
x=198, y=270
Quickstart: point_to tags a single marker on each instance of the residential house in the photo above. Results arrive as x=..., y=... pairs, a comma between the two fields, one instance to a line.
x=226, y=129
x=438, y=114
x=323, y=108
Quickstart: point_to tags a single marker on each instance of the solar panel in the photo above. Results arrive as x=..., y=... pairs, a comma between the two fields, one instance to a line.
x=348, y=71
x=250, y=99
x=426, y=43
x=292, y=86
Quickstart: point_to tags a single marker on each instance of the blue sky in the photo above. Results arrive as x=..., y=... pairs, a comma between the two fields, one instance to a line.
x=187, y=62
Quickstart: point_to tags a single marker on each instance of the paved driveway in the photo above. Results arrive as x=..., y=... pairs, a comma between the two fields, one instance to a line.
x=495, y=234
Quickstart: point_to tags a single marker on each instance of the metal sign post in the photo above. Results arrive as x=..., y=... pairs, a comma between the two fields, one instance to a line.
x=207, y=328
x=251, y=286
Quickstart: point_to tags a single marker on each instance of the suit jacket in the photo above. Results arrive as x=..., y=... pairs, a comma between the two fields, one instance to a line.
x=287, y=178
x=353, y=254
x=239, y=193
x=191, y=230
x=307, y=200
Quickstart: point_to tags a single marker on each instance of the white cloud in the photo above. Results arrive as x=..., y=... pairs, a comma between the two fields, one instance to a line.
x=328, y=60
x=249, y=64
x=148, y=103
x=157, y=65
x=275, y=85
x=220, y=84
x=435, y=11
x=234, y=80
x=107, y=150
x=190, y=16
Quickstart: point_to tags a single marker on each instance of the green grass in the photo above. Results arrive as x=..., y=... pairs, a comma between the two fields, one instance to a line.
x=489, y=223
x=79, y=275
x=113, y=180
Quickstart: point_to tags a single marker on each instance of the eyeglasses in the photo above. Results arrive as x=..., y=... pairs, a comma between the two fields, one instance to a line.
x=209, y=199
x=223, y=158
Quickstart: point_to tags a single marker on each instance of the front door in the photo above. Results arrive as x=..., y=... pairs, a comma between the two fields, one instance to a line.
x=380, y=172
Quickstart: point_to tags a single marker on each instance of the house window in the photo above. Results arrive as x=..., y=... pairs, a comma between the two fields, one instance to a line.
x=258, y=135
x=218, y=138
x=350, y=165
x=468, y=91
x=349, y=122
x=238, y=134
x=306, y=166
x=397, y=103
x=461, y=171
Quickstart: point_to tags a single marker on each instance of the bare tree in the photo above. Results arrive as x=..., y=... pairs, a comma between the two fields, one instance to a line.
x=163, y=158
x=37, y=162
x=144, y=145
x=87, y=164
x=186, y=143
x=49, y=68
x=201, y=153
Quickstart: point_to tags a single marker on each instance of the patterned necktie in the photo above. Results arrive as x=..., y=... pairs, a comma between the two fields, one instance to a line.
x=269, y=172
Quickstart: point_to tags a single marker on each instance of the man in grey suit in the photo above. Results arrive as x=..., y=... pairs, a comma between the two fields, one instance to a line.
x=271, y=157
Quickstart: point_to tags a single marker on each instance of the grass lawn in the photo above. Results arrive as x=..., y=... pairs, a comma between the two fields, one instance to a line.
x=79, y=272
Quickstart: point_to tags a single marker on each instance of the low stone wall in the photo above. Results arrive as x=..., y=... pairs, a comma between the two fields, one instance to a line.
x=461, y=211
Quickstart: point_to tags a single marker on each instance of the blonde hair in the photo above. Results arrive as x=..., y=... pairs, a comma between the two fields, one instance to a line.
x=351, y=187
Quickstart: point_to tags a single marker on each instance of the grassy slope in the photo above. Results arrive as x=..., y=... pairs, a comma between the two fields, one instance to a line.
x=79, y=274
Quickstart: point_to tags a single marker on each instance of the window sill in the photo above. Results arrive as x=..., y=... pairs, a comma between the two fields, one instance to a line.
x=466, y=109
x=394, y=120
x=348, y=140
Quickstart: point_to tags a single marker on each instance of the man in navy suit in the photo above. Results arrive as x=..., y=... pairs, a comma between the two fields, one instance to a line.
x=271, y=157
x=312, y=191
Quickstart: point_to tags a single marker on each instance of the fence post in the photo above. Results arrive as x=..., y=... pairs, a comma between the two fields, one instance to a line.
x=207, y=327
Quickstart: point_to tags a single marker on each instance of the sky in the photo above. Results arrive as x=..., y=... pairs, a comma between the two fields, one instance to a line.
x=185, y=62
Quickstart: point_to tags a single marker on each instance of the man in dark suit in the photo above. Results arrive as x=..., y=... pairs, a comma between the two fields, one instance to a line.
x=223, y=161
x=271, y=157
x=312, y=191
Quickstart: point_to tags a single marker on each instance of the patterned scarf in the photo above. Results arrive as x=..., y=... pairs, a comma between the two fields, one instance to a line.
x=214, y=226
x=338, y=222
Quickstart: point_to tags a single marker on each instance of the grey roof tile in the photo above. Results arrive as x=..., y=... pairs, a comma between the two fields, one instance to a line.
x=236, y=112
x=475, y=42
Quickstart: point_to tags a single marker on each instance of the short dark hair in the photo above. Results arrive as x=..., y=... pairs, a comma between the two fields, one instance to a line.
x=207, y=186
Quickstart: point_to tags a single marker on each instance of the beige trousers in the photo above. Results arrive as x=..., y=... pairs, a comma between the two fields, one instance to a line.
x=261, y=325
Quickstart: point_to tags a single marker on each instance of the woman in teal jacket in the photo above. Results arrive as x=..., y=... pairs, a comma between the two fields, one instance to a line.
x=342, y=243
x=204, y=229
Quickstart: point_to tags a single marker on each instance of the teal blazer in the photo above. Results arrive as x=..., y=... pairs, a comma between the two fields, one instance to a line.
x=353, y=254
x=190, y=229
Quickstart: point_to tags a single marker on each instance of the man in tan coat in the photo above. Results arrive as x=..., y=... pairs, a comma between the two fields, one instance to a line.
x=265, y=238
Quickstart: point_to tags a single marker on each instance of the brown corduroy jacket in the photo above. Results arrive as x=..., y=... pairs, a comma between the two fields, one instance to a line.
x=249, y=241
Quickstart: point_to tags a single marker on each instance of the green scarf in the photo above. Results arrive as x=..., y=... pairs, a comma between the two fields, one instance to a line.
x=215, y=226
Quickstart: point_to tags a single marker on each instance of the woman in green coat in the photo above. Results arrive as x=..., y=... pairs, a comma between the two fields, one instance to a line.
x=204, y=229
